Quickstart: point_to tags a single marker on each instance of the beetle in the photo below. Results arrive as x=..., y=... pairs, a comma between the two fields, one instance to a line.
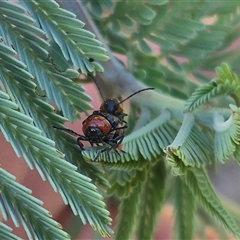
x=104, y=126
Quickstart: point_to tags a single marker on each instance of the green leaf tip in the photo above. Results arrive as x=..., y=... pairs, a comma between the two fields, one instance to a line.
x=226, y=83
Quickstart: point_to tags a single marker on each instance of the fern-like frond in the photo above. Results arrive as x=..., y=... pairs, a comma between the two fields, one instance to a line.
x=123, y=181
x=17, y=82
x=147, y=142
x=210, y=47
x=176, y=163
x=6, y=233
x=197, y=150
x=140, y=163
x=76, y=43
x=191, y=147
x=154, y=24
x=179, y=32
x=151, y=200
x=201, y=95
x=126, y=222
x=183, y=46
x=226, y=135
x=19, y=85
x=226, y=83
x=184, y=208
x=19, y=30
x=39, y=152
x=73, y=155
x=200, y=186
x=35, y=219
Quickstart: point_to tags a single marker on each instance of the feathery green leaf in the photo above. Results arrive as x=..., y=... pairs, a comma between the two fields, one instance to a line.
x=184, y=206
x=191, y=147
x=226, y=83
x=151, y=200
x=78, y=45
x=39, y=152
x=32, y=50
x=186, y=49
x=16, y=201
x=23, y=91
x=126, y=222
x=200, y=187
x=227, y=134
x=123, y=181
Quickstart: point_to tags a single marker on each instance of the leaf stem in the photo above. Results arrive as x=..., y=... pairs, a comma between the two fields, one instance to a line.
x=184, y=130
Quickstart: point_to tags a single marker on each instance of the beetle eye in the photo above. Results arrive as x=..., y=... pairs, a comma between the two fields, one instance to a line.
x=106, y=104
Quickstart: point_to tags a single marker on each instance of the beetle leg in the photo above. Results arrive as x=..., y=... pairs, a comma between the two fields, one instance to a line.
x=80, y=144
x=79, y=139
x=118, y=128
x=68, y=131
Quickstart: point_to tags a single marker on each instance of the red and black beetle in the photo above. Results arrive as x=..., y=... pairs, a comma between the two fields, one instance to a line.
x=104, y=126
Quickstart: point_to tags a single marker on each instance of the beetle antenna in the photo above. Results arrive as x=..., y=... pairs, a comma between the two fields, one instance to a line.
x=93, y=78
x=144, y=89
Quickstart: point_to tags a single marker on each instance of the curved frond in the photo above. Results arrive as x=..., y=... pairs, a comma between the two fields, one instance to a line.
x=14, y=197
x=191, y=147
x=200, y=186
x=227, y=134
x=201, y=95
x=175, y=162
x=226, y=83
x=197, y=149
